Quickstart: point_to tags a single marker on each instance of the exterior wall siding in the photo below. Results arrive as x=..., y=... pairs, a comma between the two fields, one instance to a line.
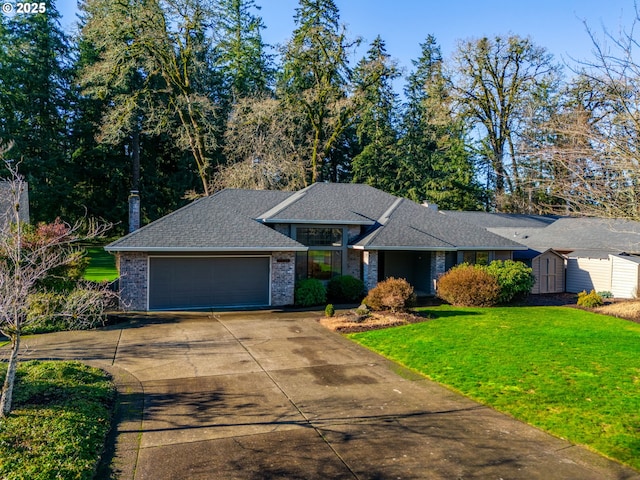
x=588, y=274
x=134, y=272
x=625, y=277
x=283, y=278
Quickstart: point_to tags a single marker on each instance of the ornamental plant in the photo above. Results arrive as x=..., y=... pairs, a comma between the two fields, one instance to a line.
x=345, y=288
x=395, y=294
x=310, y=292
x=469, y=286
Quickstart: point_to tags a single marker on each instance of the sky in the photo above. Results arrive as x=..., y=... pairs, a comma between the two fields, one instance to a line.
x=557, y=25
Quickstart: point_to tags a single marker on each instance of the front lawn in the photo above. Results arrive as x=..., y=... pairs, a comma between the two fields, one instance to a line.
x=57, y=429
x=572, y=373
x=102, y=265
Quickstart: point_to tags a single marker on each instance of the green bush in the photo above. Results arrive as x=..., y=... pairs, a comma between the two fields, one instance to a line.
x=515, y=279
x=310, y=292
x=345, y=288
x=468, y=286
x=395, y=294
x=589, y=300
x=329, y=310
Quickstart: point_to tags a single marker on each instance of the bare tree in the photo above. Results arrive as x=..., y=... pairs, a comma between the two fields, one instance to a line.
x=24, y=263
x=263, y=148
x=592, y=144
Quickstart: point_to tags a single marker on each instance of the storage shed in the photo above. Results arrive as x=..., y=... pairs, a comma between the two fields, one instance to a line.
x=625, y=275
x=548, y=268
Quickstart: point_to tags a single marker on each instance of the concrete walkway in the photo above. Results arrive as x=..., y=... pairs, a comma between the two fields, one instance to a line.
x=276, y=396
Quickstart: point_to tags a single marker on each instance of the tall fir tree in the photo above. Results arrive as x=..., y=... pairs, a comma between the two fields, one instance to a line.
x=435, y=164
x=35, y=105
x=241, y=53
x=377, y=162
x=315, y=81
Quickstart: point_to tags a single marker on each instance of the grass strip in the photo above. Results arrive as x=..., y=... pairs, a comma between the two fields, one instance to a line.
x=57, y=429
x=572, y=373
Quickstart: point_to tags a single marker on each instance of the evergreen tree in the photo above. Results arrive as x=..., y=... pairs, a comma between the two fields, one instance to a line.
x=435, y=165
x=155, y=69
x=376, y=164
x=35, y=105
x=315, y=82
x=240, y=50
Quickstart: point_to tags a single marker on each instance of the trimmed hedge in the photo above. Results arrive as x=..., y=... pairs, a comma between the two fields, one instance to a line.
x=310, y=292
x=345, y=288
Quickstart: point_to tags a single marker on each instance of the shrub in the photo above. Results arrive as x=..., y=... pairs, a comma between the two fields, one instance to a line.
x=606, y=294
x=515, y=279
x=310, y=292
x=589, y=300
x=329, y=310
x=395, y=294
x=345, y=288
x=468, y=286
x=80, y=309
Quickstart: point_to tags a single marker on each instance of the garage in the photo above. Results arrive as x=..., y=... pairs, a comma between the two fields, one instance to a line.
x=182, y=283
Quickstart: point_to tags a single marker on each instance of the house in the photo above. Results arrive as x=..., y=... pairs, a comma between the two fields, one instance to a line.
x=7, y=196
x=247, y=248
x=598, y=253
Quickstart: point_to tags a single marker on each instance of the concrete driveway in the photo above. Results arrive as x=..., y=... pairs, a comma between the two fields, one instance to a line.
x=273, y=395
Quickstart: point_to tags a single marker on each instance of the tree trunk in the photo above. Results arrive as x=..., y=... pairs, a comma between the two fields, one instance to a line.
x=7, y=388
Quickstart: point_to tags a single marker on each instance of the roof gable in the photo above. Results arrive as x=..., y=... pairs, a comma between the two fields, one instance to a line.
x=331, y=203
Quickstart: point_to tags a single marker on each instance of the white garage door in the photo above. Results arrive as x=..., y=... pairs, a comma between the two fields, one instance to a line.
x=180, y=283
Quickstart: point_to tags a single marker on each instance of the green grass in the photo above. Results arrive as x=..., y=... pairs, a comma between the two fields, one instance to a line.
x=102, y=265
x=57, y=429
x=572, y=373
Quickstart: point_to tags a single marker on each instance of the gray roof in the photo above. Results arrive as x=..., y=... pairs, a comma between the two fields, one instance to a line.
x=503, y=220
x=332, y=203
x=237, y=220
x=415, y=227
x=571, y=233
x=221, y=222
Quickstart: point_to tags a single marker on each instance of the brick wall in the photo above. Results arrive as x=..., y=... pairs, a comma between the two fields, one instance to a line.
x=283, y=278
x=370, y=269
x=133, y=270
x=354, y=263
x=438, y=267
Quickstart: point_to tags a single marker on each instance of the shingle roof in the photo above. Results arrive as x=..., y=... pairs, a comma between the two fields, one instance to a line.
x=571, y=233
x=217, y=223
x=503, y=220
x=236, y=220
x=414, y=227
x=332, y=203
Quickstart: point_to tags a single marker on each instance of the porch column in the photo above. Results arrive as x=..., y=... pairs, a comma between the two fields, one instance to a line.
x=438, y=265
x=370, y=268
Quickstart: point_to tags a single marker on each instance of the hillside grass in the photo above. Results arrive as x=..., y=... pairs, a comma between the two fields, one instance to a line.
x=572, y=373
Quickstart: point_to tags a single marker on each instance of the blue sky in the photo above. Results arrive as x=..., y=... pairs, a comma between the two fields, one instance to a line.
x=557, y=25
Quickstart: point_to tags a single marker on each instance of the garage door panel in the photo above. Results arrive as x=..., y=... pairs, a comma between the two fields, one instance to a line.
x=202, y=282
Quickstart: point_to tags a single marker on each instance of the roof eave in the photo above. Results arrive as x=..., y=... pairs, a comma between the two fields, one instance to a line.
x=434, y=249
x=205, y=249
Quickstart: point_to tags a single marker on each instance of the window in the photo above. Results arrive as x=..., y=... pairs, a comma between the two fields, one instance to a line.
x=320, y=264
x=319, y=236
x=326, y=254
x=476, y=258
